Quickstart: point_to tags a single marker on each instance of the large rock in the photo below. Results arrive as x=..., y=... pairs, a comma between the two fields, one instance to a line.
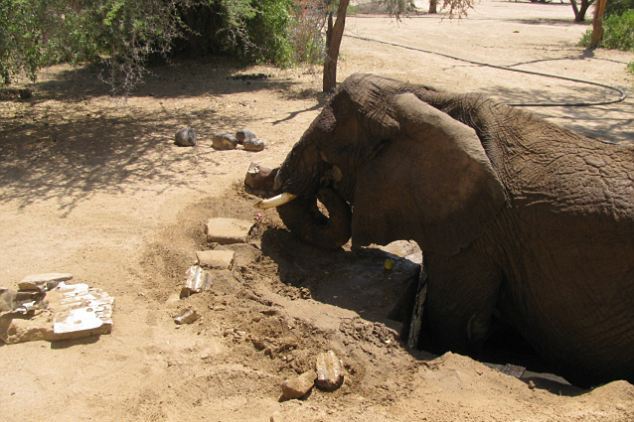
x=185, y=137
x=224, y=141
x=329, y=371
x=217, y=259
x=46, y=281
x=298, y=387
x=228, y=230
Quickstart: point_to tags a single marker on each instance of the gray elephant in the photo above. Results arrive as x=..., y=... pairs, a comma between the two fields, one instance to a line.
x=516, y=216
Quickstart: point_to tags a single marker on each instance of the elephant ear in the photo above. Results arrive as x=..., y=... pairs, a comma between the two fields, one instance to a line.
x=432, y=183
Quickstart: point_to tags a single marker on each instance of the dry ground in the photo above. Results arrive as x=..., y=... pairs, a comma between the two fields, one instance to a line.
x=94, y=186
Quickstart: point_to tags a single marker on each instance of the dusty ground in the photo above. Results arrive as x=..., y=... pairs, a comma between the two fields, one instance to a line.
x=94, y=186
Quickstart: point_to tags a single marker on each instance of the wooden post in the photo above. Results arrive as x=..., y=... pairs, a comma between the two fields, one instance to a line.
x=597, y=23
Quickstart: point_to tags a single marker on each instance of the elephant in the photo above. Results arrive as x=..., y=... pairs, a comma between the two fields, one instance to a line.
x=517, y=217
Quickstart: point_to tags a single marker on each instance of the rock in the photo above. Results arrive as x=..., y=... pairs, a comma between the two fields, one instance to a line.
x=224, y=141
x=329, y=371
x=244, y=134
x=228, y=230
x=186, y=317
x=197, y=281
x=46, y=281
x=72, y=311
x=7, y=300
x=260, y=179
x=253, y=145
x=299, y=386
x=185, y=137
x=218, y=259
x=245, y=254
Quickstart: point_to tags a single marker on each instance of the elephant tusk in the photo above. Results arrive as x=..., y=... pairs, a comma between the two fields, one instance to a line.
x=276, y=201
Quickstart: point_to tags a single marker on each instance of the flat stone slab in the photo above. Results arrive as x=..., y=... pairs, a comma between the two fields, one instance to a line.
x=45, y=281
x=228, y=230
x=329, y=371
x=217, y=259
x=299, y=386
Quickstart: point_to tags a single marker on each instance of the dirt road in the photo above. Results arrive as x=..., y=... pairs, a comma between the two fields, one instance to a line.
x=94, y=186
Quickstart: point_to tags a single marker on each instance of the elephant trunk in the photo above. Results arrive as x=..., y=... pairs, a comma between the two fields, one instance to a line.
x=303, y=218
x=299, y=183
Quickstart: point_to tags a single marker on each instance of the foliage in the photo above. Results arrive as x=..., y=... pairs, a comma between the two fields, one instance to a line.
x=618, y=32
x=269, y=29
x=618, y=7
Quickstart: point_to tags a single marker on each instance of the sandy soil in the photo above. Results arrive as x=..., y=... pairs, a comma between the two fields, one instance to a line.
x=94, y=186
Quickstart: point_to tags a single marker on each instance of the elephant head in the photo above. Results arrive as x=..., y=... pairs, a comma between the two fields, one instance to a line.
x=407, y=170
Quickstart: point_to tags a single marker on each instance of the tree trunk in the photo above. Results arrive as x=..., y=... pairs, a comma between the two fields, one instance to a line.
x=334, y=34
x=597, y=23
x=433, y=4
x=580, y=10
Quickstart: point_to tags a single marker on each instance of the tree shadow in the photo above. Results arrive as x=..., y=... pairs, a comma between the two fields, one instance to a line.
x=213, y=76
x=611, y=123
x=359, y=282
x=72, y=160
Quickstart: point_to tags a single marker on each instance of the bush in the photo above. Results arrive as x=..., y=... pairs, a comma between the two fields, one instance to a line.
x=618, y=32
x=618, y=7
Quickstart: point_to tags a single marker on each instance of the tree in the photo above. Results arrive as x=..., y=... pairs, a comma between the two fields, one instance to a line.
x=597, y=24
x=433, y=4
x=580, y=9
x=334, y=31
x=334, y=34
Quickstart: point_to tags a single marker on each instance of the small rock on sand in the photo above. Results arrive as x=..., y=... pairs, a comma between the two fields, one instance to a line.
x=329, y=371
x=260, y=179
x=185, y=137
x=228, y=230
x=217, y=259
x=46, y=281
x=244, y=134
x=299, y=386
x=224, y=141
x=186, y=317
x=254, y=145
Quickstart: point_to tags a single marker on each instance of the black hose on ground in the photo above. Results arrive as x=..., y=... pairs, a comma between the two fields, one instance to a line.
x=617, y=90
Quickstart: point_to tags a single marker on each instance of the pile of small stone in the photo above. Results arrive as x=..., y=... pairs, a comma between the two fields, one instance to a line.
x=222, y=141
x=327, y=376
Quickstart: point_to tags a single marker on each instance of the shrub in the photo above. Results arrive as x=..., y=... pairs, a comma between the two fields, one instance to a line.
x=618, y=7
x=618, y=32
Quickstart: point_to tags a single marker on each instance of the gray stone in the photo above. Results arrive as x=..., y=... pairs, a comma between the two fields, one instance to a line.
x=228, y=230
x=329, y=371
x=7, y=299
x=46, y=281
x=224, y=141
x=186, y=317
x=298, y=387
x=253, y=145
x=217, y=259
x=244, y=134
x=260, y=179
x=245, y=254
x=185, y=137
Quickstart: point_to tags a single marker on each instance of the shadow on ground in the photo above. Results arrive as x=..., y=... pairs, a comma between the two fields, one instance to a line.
x=358, y=281
x=608, y=123
x=61, y=146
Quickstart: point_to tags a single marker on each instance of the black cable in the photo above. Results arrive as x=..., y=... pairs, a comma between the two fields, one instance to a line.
x=619, y=91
